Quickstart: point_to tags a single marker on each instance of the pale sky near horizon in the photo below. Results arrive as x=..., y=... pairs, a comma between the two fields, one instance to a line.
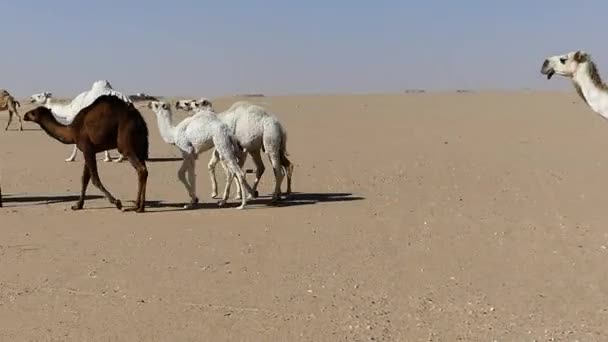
x=211, y=48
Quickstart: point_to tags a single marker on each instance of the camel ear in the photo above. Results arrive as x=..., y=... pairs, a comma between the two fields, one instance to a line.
x=580, y=56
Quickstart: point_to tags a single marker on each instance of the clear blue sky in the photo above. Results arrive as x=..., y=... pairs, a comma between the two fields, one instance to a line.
x=209, y=48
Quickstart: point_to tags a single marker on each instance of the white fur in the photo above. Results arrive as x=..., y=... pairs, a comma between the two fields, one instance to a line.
x=255, y=128
x=567, y=66
x=194, y=135
x=65, y=113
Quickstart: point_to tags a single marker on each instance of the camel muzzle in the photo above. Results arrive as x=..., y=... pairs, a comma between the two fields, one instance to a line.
x=546, y=70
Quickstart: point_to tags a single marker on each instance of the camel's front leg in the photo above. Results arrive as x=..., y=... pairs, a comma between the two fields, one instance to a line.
x=86, y=177
x=72, y=157
x=181, y=175
x=10, y=118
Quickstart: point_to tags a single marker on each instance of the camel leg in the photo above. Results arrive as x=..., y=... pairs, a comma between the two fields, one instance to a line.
x=72, y=157
x=0, y=196
x=286, y=163
x=181, y=175
x=91, y=161
x=120, y=158
x=108, y=158
x=278, y=175
x=10, y=118
x=86, y=176
x=259, y=171
x=242, y=157
x=142, y=177
x=20, y=121
x=191, y=171
x=240, y=178
x=215, y=158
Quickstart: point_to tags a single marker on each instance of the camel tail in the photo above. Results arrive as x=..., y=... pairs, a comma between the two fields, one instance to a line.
x=17, y=103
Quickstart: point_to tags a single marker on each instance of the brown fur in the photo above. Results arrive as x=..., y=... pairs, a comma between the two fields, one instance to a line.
x=8, y=102
x=106, y=124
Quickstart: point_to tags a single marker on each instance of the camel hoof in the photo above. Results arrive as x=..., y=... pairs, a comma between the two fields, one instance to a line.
x=237, y=197
x=70, y=160
x=107, y=160
x=76, y=207
x=221, y=203
x=118, y=205
x=214, y=195
x=256, y=194
x=240, y=207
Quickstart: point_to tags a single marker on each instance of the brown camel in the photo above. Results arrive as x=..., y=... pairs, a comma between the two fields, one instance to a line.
x=107, y=123
x=8, y=102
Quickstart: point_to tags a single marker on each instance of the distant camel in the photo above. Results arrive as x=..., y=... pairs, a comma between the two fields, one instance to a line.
x=105, y=124
x=8, y=102
x=583, y=72
x=193, y=105
x=65, y=113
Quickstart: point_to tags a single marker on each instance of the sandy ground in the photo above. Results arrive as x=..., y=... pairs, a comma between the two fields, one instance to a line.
x=417, y=217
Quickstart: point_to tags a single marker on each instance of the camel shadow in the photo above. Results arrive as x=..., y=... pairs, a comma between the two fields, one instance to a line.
x=23, y=130
x=262, y=202
x=33, y=200
x=164, y=160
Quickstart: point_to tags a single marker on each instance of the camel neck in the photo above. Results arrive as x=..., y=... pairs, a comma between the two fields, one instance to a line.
x=590, y=87
x=166, y=128
x=56, y=130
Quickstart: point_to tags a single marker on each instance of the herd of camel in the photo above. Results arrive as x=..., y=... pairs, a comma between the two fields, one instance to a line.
x=102, y=119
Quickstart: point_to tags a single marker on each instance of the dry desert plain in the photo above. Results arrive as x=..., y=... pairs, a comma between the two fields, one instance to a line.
x=442, y=216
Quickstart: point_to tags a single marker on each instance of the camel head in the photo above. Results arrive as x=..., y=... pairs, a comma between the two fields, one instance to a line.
x=40, y=98
x=201, y=103
x=565, y=65
x=184, y=104
x=160, y=108
x=37, y=114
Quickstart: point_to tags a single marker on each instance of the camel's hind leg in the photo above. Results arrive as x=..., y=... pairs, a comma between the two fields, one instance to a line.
x=215, y=158
x=91, y=162
x=275, y=160
x=142, y=177
x=259, y=171
x=286, y=163
x=72, y=157
x=86, y=176
x=242, y=158
x=20, y=121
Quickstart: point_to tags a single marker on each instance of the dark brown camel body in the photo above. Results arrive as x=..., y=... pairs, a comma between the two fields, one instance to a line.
x=108, y=123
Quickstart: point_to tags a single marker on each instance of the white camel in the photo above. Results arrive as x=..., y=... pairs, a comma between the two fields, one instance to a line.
x=196, y=134
x=579, y=67
x=65, y=113
x=256, y=130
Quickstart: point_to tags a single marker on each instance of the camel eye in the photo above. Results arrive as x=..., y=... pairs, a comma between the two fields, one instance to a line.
x=563, y=60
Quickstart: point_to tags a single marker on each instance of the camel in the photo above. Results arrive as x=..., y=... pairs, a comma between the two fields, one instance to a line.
x=256, y=129
x=8, y=102
x=107, y=123
x=65, y=113
x=194, y=135
x=579, y=67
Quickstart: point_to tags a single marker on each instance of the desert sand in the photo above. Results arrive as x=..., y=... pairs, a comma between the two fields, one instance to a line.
x=417, y=217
